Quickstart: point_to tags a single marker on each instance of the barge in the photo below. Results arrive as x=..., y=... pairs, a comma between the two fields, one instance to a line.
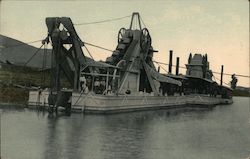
x=128, y=80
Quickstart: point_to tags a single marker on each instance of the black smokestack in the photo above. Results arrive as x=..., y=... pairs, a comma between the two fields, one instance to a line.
x=177, y=66
x=221, y=75
x=170, y=61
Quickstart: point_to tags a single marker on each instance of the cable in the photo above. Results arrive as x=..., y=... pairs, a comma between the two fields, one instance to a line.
x=143, y=22
x=98, y=46
x=162, y=68
x=44, y=65
x=103, y=21
x=239, y=75
x=222, y=81
x=160, y=62
x=22, y=44
x=89, y=52
x=228, y=74
x=33, y=55
x=196, y=70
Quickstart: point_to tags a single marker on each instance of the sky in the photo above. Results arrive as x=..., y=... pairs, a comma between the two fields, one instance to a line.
x=219, y=28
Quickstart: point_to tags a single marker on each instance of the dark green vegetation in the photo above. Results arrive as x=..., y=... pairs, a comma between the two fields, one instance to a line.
x=241, y=92
x=16, y=81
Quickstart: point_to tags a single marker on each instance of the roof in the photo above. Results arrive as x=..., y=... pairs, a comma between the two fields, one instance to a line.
x=175, y=76
x=161, y=78
x=196, y=60
x=226, y=87
x=205, y=79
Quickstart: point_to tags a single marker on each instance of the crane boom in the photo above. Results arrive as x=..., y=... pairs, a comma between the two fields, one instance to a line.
x=69, y=60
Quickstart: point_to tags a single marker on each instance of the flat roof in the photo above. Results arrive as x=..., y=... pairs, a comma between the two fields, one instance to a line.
x=176, y=76
x=205, y=79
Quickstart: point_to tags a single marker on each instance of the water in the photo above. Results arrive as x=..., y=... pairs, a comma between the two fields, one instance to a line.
x=222, y=132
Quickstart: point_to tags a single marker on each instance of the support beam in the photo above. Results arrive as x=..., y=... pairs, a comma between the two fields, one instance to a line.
x=170, y=61
x=107, y=81
x=150, y=79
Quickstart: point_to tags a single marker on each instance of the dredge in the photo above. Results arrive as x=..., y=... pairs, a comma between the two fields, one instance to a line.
x=127, y=80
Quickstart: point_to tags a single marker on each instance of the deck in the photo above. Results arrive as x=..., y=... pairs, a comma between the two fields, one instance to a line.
x=92, y=103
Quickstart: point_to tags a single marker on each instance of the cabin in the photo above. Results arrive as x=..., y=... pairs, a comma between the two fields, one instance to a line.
x=199, y=76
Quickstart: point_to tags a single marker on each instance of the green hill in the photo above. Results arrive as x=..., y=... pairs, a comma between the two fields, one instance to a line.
x=16, y=52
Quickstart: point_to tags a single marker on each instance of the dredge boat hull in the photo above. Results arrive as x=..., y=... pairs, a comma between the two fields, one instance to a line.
x=92, y=103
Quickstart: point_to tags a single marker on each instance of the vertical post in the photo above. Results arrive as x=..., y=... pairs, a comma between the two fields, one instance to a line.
x=159, y=69
x=177, y=66
x=107, y=81
x=170, y=61
x=221, y=75
x=92, y=86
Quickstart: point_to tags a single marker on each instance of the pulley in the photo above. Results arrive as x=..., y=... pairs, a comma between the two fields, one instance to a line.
x=145, y=40
x=121, y=34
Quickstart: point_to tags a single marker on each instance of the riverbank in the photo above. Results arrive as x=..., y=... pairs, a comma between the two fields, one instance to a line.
x=241, y=93
x=17, y=81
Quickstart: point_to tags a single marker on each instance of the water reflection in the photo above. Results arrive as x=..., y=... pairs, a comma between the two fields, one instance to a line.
x=104, y=136
x=176, y=133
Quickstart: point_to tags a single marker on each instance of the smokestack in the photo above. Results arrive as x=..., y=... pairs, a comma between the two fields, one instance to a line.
x=221, y=75
x=177, y=66
x=170, y=61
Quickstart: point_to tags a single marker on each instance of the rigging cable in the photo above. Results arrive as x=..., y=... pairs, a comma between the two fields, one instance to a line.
x=222, y=81
x=44, y=65
x=162, y=67
x=215, y=78
x=90, y=44
x=11, y=46
x=89, y=52
x=97, y=46
x=143, y=22
x=103, y=21
x=228, y=74
x=33, y=55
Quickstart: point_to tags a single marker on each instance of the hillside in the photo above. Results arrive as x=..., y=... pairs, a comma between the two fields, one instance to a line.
x=241, y=91
x=17, y=53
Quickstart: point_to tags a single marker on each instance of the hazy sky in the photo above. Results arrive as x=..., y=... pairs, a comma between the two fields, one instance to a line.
x=219, y=28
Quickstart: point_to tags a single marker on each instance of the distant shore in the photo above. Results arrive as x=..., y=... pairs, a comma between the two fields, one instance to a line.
x=21, y=100
x=241, y=93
